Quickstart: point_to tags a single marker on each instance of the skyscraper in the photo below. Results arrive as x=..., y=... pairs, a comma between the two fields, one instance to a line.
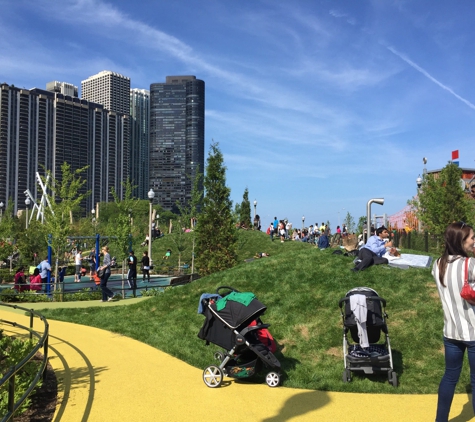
x=63, y=88
x=110, y=89
x=41, y=130
x=177, y=126
x=139, y=141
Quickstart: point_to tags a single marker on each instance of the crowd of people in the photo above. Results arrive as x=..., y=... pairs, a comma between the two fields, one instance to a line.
x=318, y=235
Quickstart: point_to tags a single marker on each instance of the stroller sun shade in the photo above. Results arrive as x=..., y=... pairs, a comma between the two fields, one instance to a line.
x=236, y=315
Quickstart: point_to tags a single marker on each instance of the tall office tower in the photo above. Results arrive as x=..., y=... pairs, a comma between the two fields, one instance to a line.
x=177, y=130
x=110, y=89
x=63, y=88
x=139, y=141
x=41, y=130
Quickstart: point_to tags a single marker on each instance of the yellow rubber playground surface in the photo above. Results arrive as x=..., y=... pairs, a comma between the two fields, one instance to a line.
x=108, y=377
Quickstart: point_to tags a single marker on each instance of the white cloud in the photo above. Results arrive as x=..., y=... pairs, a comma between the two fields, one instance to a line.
x=429, y=76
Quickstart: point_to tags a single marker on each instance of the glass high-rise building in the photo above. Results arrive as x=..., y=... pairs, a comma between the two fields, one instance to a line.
x=177, y=130
x=139, y=141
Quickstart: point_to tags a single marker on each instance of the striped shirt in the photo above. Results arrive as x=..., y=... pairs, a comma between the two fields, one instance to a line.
x=459, y=315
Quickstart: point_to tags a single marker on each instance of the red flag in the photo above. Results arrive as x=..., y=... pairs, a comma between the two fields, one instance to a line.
x=455, y=154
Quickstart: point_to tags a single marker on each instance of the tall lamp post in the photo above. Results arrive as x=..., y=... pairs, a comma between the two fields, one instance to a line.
x=93, y=212
x=151, y=195
x=419, y=184
x=255, y=206
x=27, y=203
x=303, y=221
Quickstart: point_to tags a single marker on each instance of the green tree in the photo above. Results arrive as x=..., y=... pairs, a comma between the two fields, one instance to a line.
x=121, y=226
x=441, y=200
x=361, y=222
x=350, y=222
x=64, y=198
x=236, y=213
x=184, y=220
x=216, y=234
x=9, y=229
x=245, y=211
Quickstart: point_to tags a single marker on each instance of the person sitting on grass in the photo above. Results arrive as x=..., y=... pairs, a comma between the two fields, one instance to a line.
x=167, y=254
x=374, y=249
x=261, y=255
x=323, y=241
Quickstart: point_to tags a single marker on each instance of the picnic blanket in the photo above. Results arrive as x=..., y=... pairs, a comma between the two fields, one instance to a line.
x=409, y=260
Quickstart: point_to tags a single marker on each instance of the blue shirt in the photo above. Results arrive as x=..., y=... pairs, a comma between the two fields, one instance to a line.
x=44, y=268
x=376, y=244
x=276, y=223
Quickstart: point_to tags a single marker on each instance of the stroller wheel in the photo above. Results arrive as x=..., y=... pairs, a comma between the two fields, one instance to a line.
x=346, y=375
x=392, y=377
x=219, y=356
x=213, y=376
x=273, y=379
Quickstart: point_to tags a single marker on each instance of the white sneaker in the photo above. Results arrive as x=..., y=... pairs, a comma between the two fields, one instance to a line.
x=110, y=299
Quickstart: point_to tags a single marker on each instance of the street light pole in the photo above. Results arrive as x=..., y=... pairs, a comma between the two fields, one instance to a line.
x=27, y=203
x=93, y=212
x=255, y=206
x=151, y=195
x=303, y=221
x=419, y=184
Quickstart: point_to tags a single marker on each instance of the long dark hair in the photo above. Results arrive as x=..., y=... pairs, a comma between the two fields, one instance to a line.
x=455, y=236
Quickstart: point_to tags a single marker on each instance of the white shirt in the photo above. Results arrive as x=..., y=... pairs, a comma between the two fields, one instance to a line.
x=459, y=315
x=78, y=258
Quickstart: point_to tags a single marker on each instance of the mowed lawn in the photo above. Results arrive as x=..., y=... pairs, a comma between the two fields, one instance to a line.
x=301, y=286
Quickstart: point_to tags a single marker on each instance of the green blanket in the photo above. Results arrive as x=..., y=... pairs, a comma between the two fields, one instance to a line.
x=245, y=298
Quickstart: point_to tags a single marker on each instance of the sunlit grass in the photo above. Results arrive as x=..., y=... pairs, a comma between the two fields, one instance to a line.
x=301, y=287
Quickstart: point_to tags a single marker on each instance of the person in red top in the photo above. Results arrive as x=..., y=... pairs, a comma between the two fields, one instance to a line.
x=35, y=281
x=20, y=281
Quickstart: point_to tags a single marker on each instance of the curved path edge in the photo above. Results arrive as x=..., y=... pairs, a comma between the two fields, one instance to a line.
x=104, y=376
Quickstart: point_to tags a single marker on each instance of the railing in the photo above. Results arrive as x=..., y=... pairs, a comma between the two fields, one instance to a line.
x=9, y=377
x=419, y=241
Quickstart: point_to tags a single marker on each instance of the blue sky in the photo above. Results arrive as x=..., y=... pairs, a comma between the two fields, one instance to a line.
x=318, y=105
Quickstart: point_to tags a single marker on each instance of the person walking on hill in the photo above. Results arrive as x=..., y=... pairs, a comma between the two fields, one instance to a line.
x=450, y=272
x=270, y=231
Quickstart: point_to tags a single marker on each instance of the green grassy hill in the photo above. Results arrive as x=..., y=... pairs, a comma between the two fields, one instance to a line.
x=301, y=286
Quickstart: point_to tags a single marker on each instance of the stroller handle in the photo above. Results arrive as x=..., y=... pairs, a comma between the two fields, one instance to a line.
x=346, y=299
x=227, y=288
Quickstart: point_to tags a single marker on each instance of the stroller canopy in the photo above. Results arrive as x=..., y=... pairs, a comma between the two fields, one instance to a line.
x=237, y=314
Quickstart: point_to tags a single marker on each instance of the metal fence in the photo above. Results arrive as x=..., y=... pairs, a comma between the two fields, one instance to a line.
x=10, y=376
x=418, y=241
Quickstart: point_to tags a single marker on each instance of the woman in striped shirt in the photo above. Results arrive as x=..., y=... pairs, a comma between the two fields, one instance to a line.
x=459, y=314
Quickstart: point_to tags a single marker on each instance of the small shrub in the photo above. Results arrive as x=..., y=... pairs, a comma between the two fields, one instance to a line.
x=152, y=292
x=9, y=295
x=12, y=351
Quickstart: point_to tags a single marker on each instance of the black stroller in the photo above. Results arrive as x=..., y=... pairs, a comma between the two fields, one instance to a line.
x=375, y=358
x=231, y=327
